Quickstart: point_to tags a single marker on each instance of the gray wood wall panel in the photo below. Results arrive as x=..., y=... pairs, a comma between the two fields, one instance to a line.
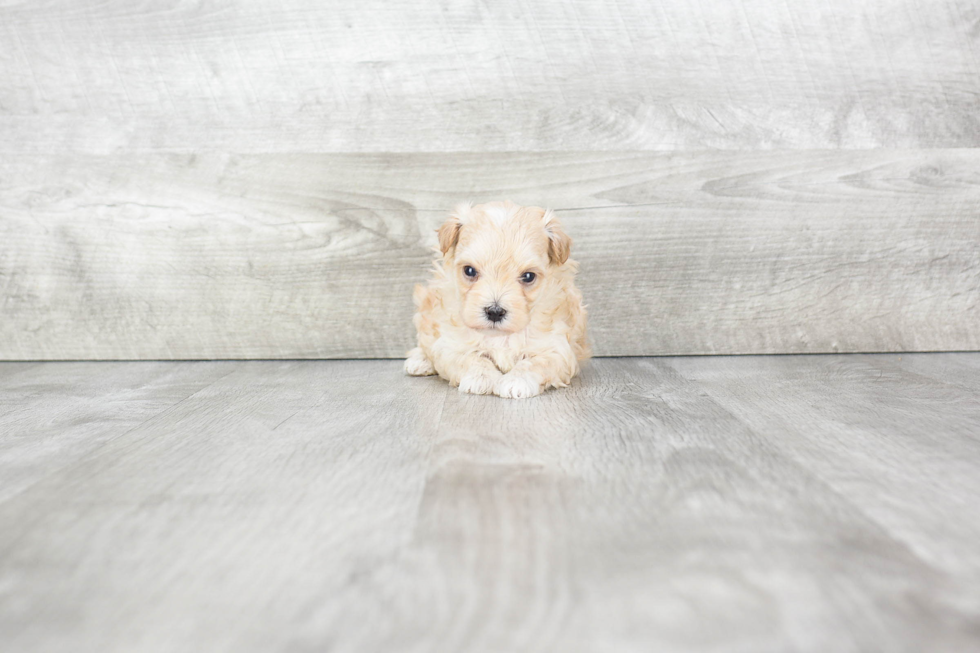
x=226, y=179
x=510, y=75
x=314, y=255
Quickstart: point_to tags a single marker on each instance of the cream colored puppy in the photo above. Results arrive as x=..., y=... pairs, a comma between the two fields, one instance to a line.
x=502, y=314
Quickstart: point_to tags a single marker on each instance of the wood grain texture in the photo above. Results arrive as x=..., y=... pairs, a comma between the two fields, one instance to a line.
x=378, y=76
x=310, y=256
x=919, y=409
x=728, y=504
x=50, y=420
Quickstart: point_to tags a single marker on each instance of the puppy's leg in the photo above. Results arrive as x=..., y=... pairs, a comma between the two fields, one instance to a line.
x=479, y=376
x=417, y=364
x=554, y=367
x=462, y=367
x=519, y=384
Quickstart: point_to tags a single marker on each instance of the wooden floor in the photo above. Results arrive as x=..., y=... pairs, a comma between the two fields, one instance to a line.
x=780, y=503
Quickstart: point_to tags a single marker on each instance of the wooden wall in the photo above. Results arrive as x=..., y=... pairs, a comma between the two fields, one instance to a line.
x=230, y=179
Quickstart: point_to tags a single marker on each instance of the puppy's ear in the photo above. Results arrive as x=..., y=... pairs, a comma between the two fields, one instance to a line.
x=449, y=234
x=449, y=231
x=559, y=244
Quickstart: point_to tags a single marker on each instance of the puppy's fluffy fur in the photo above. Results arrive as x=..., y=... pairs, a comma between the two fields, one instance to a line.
x=502, y=314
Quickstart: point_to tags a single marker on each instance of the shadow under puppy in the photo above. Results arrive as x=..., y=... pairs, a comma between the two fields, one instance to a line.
x=502, y=314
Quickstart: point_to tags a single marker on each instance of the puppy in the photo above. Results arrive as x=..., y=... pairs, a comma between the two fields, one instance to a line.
x=502, y=314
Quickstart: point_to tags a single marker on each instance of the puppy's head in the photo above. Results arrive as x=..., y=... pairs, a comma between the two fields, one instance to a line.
x=501, y=257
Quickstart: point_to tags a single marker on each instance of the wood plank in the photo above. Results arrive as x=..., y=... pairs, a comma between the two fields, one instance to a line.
x=950, y=368
x=53, y=414
x=853, y=419
x=378, y=76
x=311, y=256
x=276, y=480
x=310, y=505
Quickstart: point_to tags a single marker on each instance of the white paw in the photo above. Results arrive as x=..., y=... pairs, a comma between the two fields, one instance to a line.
x=479, y=381
x=518, y=385
x=417, y=364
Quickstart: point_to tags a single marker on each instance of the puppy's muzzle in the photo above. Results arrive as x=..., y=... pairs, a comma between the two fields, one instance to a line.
x=494, y=312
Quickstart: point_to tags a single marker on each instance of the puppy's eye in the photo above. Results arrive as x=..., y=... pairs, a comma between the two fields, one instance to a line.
x=528, y=277
x=470, y=272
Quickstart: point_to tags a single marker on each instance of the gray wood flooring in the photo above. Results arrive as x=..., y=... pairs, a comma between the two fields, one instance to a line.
x=777, y=503
x=163, y=256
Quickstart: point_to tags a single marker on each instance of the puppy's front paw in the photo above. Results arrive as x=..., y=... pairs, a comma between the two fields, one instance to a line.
x=518, y=385
x=417, y=364
x=479, y=381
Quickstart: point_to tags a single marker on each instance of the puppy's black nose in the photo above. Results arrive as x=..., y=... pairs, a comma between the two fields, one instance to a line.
x=494, y=313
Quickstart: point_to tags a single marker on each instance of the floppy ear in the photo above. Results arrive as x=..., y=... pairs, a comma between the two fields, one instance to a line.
x=449, y=233
x=559, y=244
